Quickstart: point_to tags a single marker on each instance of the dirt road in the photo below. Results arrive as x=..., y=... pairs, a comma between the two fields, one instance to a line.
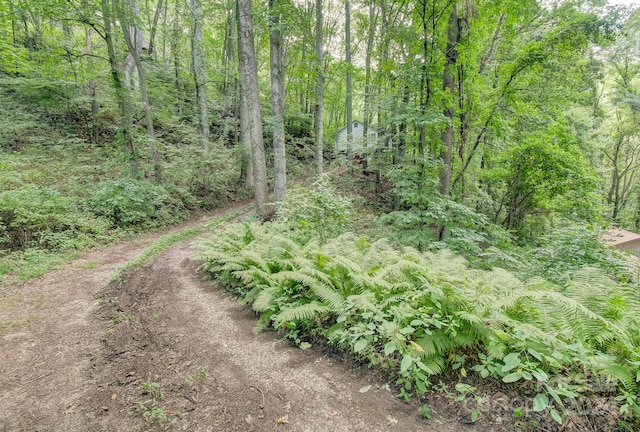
x=165, y=350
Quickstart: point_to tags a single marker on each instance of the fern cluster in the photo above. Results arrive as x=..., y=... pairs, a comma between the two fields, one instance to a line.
x=420, y=314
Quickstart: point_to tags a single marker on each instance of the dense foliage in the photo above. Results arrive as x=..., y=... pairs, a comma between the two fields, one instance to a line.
x=507, y=140
x=418, y=314
x=62, y=191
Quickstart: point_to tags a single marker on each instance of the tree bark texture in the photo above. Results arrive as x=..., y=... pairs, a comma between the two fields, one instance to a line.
x=368, y=88
x=319, y=114
x=174, y=42
x=448, y=84
x=135, y=36
x=142, y=80
x=154, y=28
x=249, y=88
x=122, y=92
x=277, y=60
x=349, y=101
x=197, y=53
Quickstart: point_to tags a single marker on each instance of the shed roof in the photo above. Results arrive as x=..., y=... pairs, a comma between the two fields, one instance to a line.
x=618, y=236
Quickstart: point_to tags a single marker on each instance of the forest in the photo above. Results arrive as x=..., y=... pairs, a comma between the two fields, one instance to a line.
x=455, y=232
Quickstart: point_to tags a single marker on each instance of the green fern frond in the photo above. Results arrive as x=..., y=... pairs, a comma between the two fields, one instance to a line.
x=316, y=274
x=252, y=294
x=254, y=276
x=391, y=300
x=610, y=366
x=231, y=267
x=323, y=291
x=363, y=302
x=344, y=264
x=380, y=254
x=475, y=324
x=437, y=344
x=253, y=258
x=285, y=248
x=302, y=312
x=435, y=364
x=264, y=300
x=332, y=298
x=297, y=276
x=402, y=271
x=584, y=323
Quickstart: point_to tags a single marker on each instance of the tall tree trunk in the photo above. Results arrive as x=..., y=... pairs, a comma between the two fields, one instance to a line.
x=245, y=143
x=230, y=82
x=402, y=129
x=244, y=132
x=319, y=114
x=92, y=82
x=368, y=88
x=154, y=28
x=135, y=36
x=383, y=74
x=12, y=13
x=494, y=43
x=122, y=92
x=176, y=31
x=349, y=101
x=251, y=97
x=448, y=84
x=197, y=52
x=135, y=55
x=277, y=59
x=165, y=32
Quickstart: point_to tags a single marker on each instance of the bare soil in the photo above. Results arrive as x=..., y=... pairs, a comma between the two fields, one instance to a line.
x=165, y=350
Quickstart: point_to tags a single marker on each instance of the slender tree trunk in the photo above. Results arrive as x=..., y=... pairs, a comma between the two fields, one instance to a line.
x=135, y=55
x=197, y=52
x=122, y=92
x=319, y=114
x=245, y=143
x=494, y=43
x=368, y=88
x=176, y=31
x=448, y=84
x=251, y=97
x=92, y=82
x=165, y=32
x=349, y=101
x=28, y=40
x=302, y=99
x=245, y=135
x=135, y=36
x=154, y=28
x=383, y=58
x=12, y=13
x=229, y=62
x=277, y=59
x=402, y=129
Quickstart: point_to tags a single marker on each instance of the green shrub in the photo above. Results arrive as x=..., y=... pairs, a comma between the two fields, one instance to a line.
x=44, y=218
x=571, y=247
x=135, y=203
x=426, y=220
x=420, y=314
x=317, y=211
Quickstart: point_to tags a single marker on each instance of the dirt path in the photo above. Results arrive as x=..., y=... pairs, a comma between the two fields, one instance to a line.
x=165, y=350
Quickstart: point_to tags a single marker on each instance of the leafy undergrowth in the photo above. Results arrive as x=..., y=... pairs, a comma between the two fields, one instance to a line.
x=424, y=316
x=65, y=186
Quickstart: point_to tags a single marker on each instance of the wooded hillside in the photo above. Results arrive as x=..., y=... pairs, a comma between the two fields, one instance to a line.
x=507, y=133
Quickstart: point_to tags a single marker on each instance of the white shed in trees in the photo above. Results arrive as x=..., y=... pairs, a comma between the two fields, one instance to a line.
x=360, y=142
